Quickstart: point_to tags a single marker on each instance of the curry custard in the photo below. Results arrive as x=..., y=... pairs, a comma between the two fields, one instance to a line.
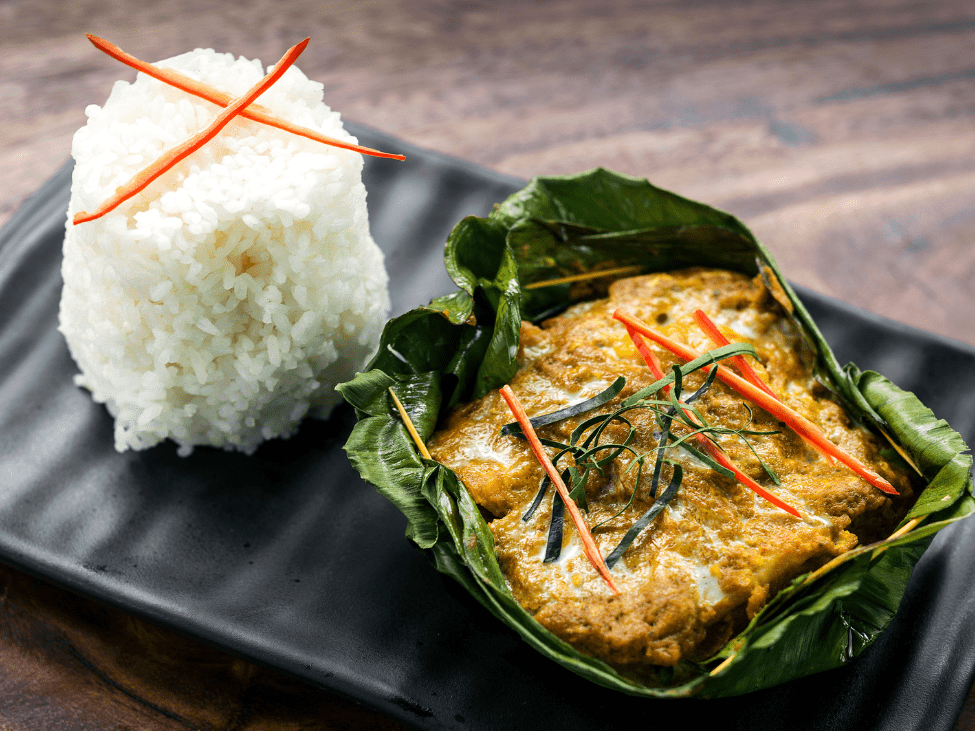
x=715, y=555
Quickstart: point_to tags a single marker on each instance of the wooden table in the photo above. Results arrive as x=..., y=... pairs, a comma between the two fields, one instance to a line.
x=843, y=137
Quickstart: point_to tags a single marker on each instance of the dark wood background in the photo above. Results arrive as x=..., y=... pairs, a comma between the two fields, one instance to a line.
x=842, y=133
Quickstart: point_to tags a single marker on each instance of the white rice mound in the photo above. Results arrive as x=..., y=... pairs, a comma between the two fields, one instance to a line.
x=223, y=303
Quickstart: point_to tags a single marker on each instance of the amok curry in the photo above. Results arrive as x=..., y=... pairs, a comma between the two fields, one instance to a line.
x=692, y=576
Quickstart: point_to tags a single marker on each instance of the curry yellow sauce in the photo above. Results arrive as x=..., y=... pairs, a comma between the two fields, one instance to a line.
x=717, y=552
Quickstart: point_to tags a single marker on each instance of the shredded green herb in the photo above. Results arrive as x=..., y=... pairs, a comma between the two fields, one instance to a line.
x=590, y=455
x=603, y=397
x=553, y=546
x=644, y=520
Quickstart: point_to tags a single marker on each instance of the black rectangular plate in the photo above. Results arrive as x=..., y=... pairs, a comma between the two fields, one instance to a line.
x=287, y=558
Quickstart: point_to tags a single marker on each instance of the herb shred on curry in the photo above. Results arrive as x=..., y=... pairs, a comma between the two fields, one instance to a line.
x=702, y=503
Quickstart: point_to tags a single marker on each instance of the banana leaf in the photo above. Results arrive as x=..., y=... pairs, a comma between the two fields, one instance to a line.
x=461, y=346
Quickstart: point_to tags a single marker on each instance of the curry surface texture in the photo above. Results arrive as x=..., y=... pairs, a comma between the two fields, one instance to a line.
x=717, y=552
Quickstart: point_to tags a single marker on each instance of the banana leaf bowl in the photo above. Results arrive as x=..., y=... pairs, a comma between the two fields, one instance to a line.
x=462, y=345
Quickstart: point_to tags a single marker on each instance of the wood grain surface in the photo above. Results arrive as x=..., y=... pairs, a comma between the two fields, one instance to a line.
x=841, y=133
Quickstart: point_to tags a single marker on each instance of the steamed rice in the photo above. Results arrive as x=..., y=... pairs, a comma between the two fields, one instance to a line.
x=223, y=303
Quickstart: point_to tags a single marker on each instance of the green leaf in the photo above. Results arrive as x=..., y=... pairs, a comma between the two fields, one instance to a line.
x=463, y=345
x=822, y=629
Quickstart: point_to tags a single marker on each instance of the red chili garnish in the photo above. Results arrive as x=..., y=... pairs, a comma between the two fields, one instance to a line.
x=205, y=91
x=702, y=441
x=796, y=421
x=745, y=368
x=171, y=157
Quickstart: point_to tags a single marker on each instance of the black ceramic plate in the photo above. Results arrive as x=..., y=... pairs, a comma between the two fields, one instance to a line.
x=287, y=558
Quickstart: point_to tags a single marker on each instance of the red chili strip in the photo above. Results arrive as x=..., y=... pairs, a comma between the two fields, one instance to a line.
x=747, y=372
x=802, y=426
x=653, y=362
x=254, y=112
x=744, y=367
x=588, y=544
x=171, y=157
x=651, y=359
